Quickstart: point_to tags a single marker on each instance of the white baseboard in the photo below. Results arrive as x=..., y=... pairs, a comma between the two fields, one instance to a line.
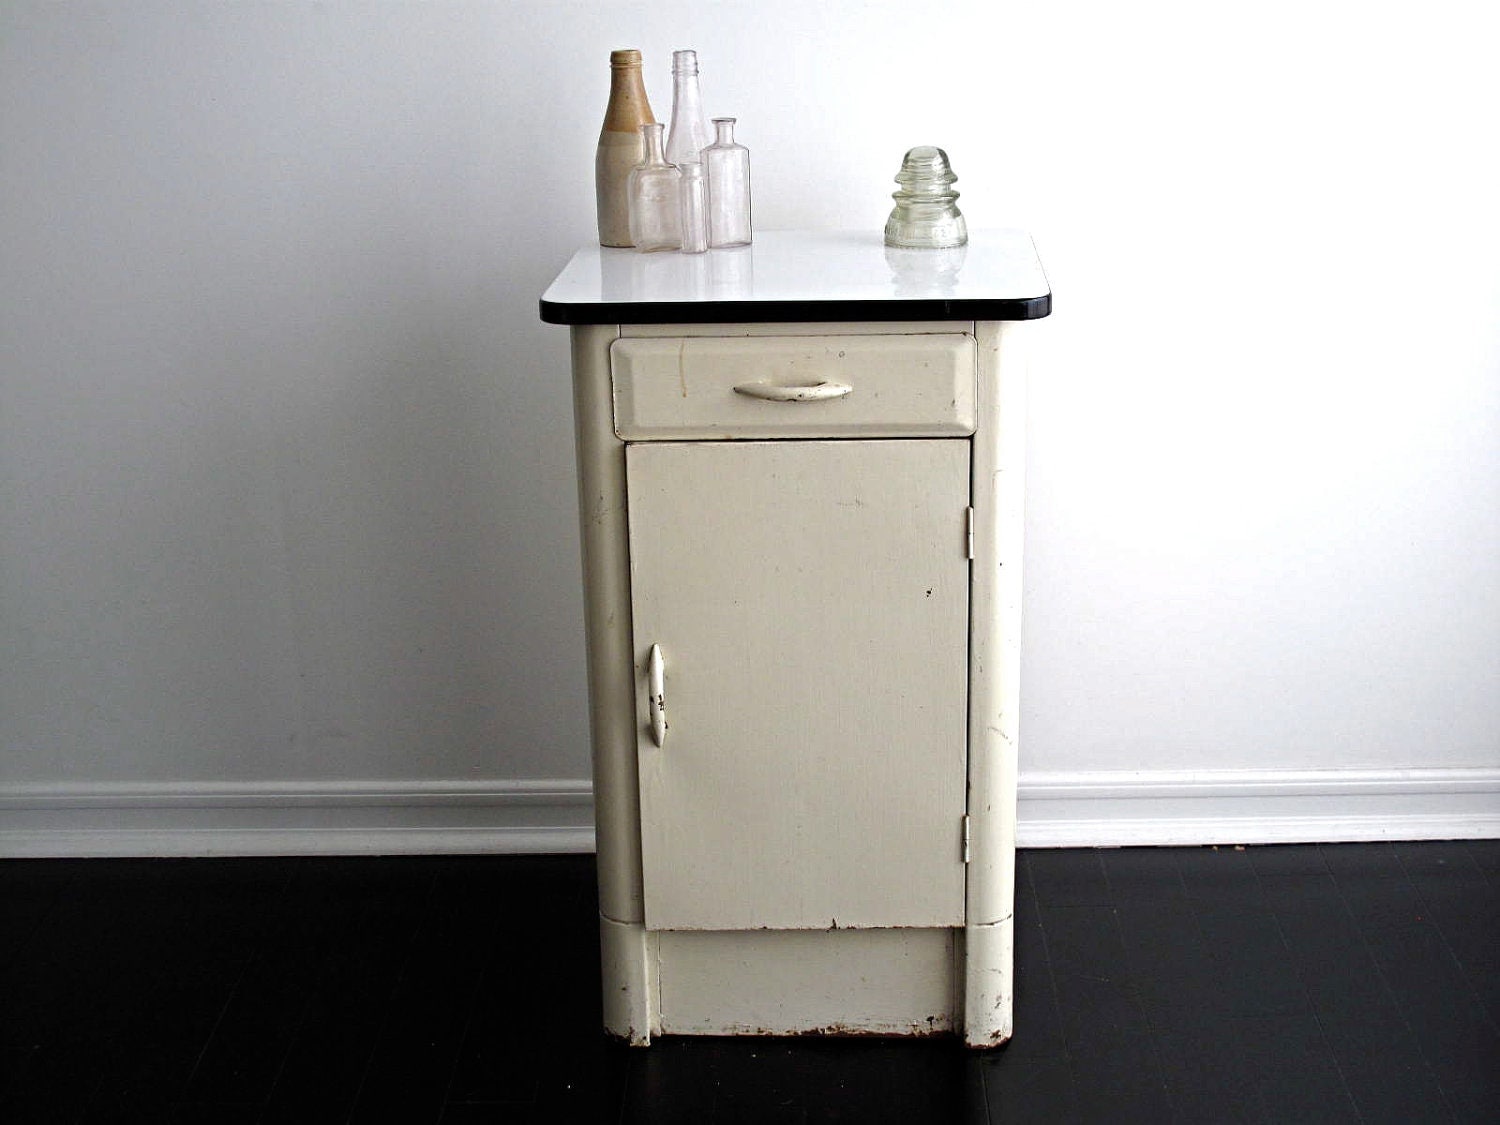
x=1076, y=809
x=297, y=818
x=1115, y=808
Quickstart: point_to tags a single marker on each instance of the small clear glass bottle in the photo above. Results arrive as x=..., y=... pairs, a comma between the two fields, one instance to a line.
x=694, y=207
x=728, y=167
x=689, y=135
x=655, y=197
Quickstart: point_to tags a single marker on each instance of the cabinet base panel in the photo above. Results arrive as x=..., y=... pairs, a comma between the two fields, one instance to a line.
x=808, y=982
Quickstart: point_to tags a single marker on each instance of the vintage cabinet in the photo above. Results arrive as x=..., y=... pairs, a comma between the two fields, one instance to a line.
x=800, y=499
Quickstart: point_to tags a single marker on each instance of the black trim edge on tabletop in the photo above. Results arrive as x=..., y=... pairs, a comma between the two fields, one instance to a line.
x=790, y=312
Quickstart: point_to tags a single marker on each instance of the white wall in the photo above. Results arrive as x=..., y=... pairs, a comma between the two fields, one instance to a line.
x=286, y=499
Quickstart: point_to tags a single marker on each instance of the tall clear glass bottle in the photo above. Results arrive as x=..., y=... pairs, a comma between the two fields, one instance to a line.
x=694, y=207
x=619, y=146
x=690, y=135
x=728, y=167
x=655, y=189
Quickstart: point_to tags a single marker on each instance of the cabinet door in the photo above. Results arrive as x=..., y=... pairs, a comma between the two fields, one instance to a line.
x=810, y=602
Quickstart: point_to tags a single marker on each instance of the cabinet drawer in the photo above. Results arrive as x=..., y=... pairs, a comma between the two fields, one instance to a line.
x=793, y=386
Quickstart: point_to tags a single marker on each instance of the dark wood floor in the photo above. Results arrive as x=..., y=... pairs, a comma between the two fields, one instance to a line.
x=1270, y=984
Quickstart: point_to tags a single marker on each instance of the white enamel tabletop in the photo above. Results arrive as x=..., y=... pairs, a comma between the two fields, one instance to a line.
x=801, y=275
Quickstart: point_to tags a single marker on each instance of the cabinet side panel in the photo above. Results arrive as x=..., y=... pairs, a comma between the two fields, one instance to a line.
x=810, y=600
x=995, y=648
x=606, y=574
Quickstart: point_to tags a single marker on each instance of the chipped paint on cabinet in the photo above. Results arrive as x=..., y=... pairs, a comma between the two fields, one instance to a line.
x=808, y=982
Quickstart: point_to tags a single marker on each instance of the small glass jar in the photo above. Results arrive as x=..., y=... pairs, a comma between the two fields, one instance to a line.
x=728, y=167
x=694, y=207
x=655, y=197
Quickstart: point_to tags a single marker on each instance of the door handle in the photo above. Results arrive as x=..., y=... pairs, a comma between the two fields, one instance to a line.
x=656, y=690
x=808, y=392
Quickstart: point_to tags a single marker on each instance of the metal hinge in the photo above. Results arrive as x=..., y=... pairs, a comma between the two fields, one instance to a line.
x=966, y=837
x=969, y=531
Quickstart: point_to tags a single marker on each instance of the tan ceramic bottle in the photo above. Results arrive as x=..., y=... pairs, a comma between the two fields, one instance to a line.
x=620, y=145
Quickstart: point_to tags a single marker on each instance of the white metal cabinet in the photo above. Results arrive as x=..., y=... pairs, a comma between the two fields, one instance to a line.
x=823, y=841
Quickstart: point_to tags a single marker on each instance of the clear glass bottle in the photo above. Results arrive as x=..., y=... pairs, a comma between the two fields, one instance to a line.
x=655, y=197
x=728, y=167
x=619, y=145
x=694, y=207
x=689, y=135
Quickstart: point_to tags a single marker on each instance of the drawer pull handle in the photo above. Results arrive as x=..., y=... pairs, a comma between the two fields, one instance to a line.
x=656, y=675
x=814, y=392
